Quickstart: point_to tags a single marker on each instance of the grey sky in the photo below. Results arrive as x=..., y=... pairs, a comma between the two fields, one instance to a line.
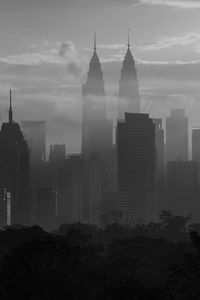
x=165, y=38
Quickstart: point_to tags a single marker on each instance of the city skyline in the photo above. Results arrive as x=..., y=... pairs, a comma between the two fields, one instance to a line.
x=46, y=63
x=99, y=149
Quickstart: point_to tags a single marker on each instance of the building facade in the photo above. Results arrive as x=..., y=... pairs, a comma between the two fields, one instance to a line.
x=136, y=167
x=177, y=136
x=182, y=188
x=47, y=208
x=160, y=163
x=35, y=134
x=196, y=144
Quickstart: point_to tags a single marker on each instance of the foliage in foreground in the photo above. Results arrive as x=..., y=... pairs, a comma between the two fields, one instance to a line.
x=80, y=261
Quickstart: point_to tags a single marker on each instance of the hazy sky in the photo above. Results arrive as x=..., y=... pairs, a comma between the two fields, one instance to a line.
x=46, y=46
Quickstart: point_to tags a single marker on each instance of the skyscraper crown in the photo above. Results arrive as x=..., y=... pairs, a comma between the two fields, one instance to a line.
x=95, y=74
x=95, y=63
x=128, y=58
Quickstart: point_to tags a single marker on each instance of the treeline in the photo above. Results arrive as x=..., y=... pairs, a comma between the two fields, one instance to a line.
x=118, y=261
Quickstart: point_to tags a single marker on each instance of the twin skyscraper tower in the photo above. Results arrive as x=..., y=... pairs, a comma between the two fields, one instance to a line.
x=96, y=129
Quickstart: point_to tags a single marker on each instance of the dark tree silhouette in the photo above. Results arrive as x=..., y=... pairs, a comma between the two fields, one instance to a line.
x=81, y=261
x=184, y=277
x=41, y=269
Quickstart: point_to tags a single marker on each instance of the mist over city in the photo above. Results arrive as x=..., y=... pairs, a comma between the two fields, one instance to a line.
x=100, y=149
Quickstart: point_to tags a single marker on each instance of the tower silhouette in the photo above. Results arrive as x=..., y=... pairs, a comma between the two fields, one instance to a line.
x=96, y=130
x=14, y=174
x=129, y=98
x=97, y=136
x=136, y=167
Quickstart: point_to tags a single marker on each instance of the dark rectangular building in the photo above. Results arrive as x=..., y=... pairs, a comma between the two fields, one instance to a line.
x=196, y=144
x=136, y=167
x=177, y=136
x=160, y=163
x=182, y=185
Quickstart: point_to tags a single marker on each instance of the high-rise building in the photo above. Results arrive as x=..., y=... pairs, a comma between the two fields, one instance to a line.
x=136, y=167
x=182, y=188
x=94, y=169
x=97, y=131
x=14, y=174
x=196, y=144
x=177, y=136
x=160, y=153
x=86, y=187
x=35, y=134
x=129, y=98
x=160, y=162
x=109, y=182
x=57, y=153
x=47, y=208
x=100, y=184
x=72, y=205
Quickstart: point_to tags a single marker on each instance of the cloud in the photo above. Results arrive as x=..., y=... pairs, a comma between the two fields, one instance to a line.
x=68, y=50
x=164, y=42
x=74, y=69
x=111, y=46
x=47, y=52
x=56, y=60
x=173, y=3
x=14, y=5
x=72, y=58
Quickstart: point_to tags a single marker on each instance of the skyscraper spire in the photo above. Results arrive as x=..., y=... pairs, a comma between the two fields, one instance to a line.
x=94, y=62
x=95, y=42
x=128, y=38
x=10, y=109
